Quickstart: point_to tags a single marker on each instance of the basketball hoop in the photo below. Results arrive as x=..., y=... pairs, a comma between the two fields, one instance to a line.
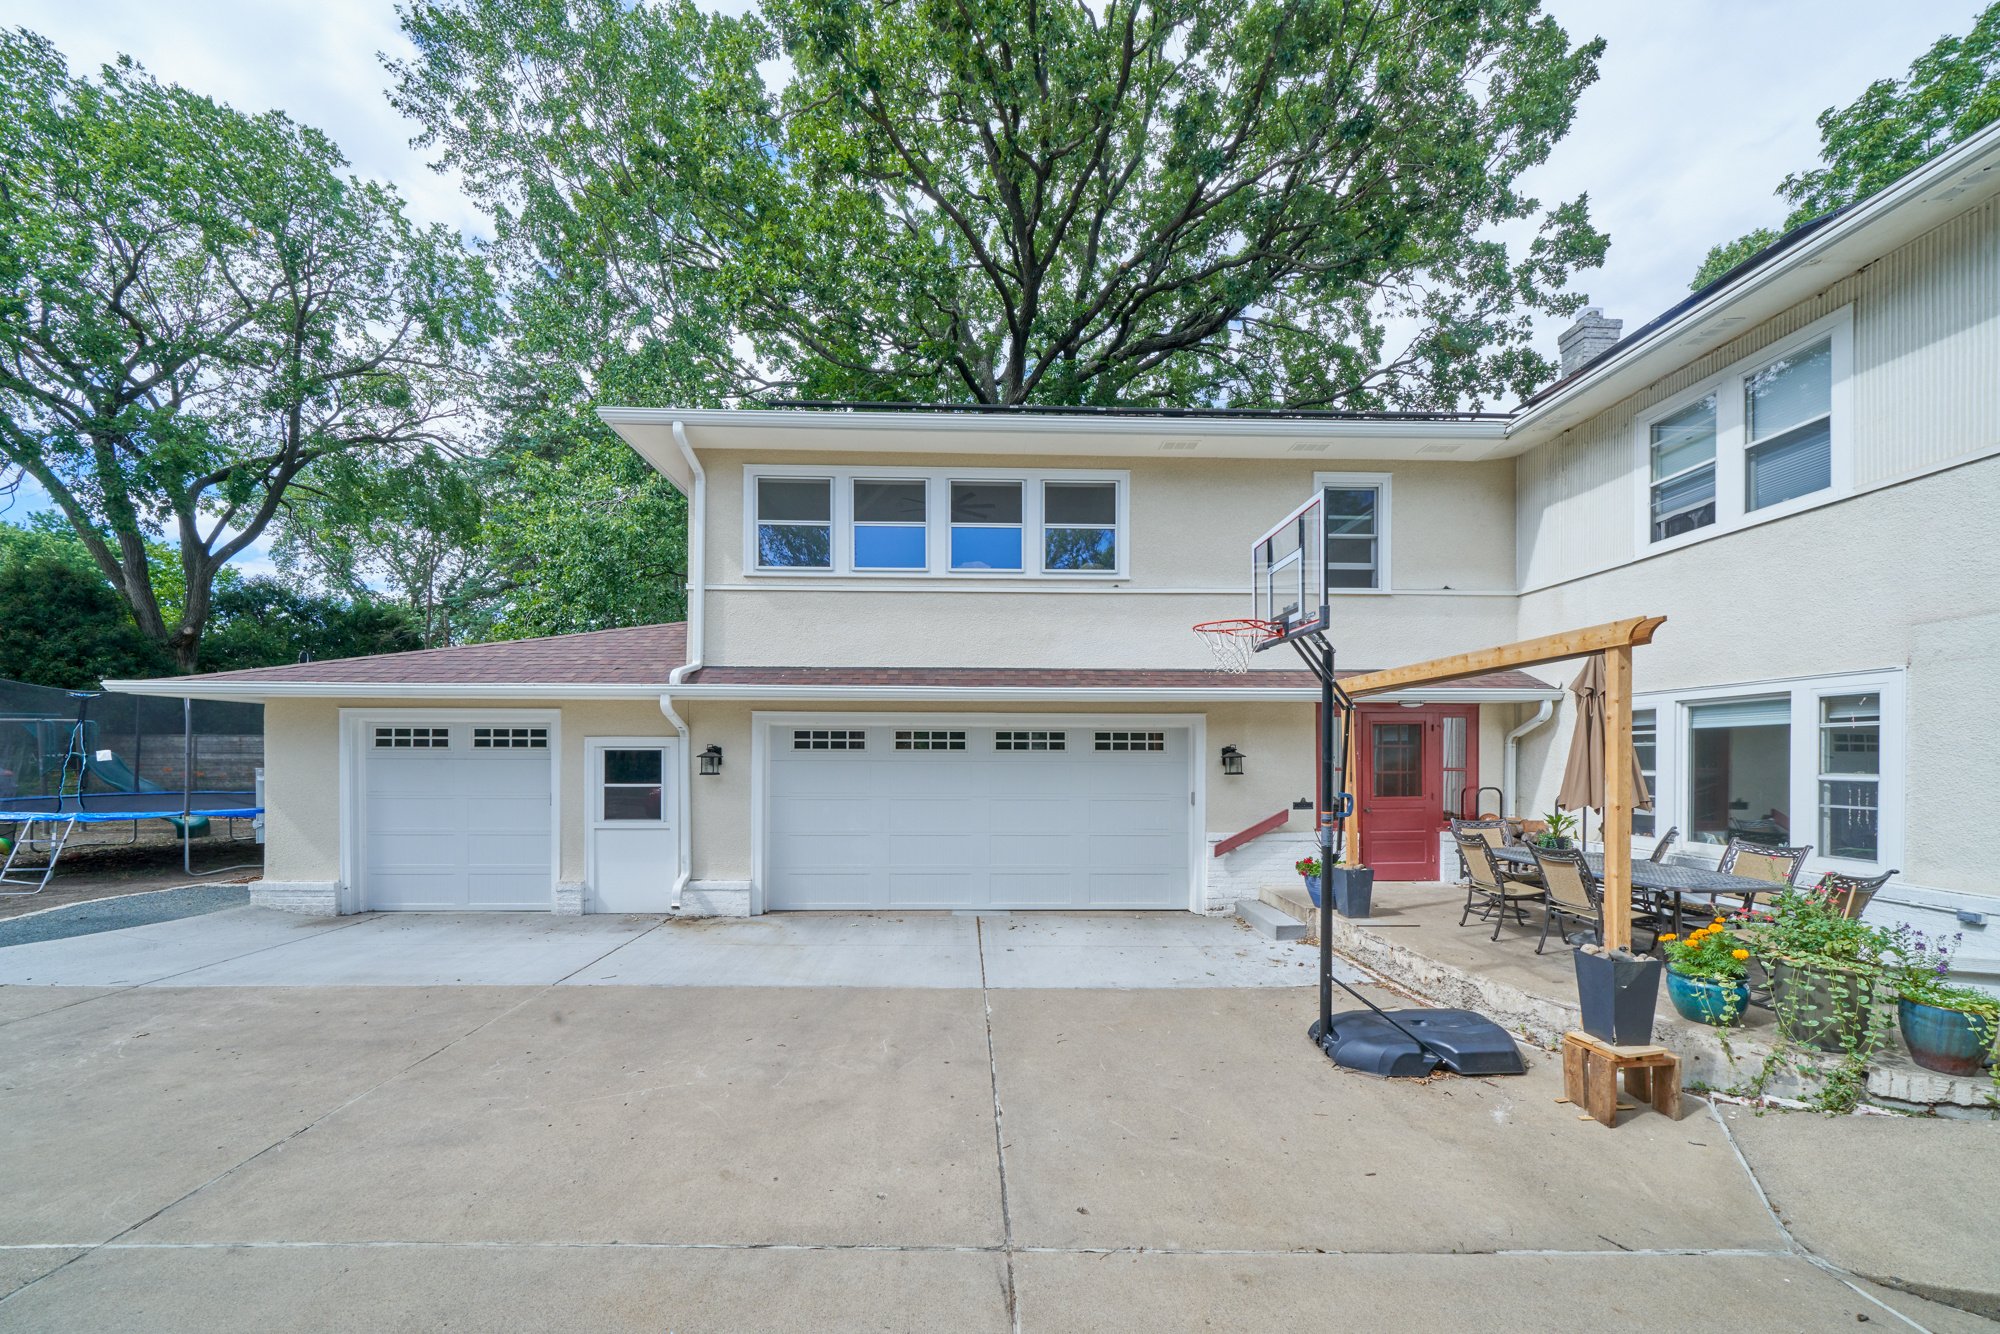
x=1235, y=642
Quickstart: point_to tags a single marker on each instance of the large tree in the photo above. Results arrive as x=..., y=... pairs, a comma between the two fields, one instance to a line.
x=1950, y=92
x=1141, y=201
x=197, y=307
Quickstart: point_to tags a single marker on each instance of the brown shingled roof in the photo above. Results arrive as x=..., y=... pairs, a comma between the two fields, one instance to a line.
x=636, y=655
x=642, y=656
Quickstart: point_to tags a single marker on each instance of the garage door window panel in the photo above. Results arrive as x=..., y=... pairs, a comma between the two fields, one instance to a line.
x=412, y=738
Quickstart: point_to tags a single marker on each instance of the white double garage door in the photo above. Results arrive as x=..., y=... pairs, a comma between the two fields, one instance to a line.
x=861, y=815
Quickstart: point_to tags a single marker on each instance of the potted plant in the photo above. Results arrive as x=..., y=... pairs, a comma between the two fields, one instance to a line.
x=1353, y=889
x=1825, y=968
x=1308, y=868
x=1556, y=828
x=1707, y=975
x=1948, y=1028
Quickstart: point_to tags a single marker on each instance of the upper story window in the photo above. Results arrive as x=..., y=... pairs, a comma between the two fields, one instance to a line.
x=1355, y=507
x=956, y=523
x=889, y=524
x=795, y=523
x=1788, y=419
x=1683, y=462
x=986, y=525
x=1764, y=438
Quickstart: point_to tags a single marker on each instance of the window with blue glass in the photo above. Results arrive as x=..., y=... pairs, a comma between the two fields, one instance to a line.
x=795, y=523
x=986, y=525
x=889, y=525
x=1079, y=526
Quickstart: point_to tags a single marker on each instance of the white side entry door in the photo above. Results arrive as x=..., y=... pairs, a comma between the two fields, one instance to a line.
x=633, y=857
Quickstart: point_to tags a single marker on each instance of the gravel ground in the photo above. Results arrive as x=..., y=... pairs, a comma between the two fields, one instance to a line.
x=108, y=870
x=115, y=914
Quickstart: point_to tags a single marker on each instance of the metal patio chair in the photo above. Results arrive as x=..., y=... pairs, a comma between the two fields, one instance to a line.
x=1489, y=888
x=1665, y=845
x=1758, y=861
x=1852, y=893
x=1493, y=831
x=1574, y=895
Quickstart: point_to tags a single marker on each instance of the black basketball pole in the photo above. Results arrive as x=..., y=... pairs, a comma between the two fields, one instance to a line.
x=1328, y=819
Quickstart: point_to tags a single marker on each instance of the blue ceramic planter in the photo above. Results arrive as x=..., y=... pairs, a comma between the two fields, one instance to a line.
x=1950, y=1042
x=1312, y=888
x=1716, y=1004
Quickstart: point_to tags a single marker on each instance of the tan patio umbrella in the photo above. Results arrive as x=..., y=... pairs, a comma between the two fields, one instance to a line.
x=1583, y=777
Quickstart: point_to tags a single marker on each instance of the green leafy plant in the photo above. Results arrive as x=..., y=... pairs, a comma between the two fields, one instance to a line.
x=1922, y=976
x=1709, y=954
x=1831, y=981
x=1558, y=825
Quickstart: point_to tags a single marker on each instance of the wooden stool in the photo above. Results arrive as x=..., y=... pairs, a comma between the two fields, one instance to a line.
x=1590, y=1076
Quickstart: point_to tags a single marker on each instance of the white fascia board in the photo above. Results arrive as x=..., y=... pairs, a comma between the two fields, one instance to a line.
x=1094, y=694
x=195, y=688
x=862, y=431
x=1937, y=191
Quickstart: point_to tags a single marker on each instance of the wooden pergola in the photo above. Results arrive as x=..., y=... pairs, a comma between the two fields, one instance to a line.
x=1615, y=640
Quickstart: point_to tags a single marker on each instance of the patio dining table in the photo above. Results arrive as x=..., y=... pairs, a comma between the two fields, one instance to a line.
x=1682, y=882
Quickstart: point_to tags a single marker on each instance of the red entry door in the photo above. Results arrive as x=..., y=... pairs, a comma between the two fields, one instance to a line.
x=1415, y=767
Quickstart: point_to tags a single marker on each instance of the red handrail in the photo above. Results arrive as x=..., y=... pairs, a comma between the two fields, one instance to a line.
x=1258, y=830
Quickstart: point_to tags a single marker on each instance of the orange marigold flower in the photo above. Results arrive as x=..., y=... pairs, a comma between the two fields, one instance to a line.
x=1739, y=954
x=1670, y=936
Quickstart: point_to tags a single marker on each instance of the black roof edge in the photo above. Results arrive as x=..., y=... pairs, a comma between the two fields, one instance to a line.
x=1770, y=252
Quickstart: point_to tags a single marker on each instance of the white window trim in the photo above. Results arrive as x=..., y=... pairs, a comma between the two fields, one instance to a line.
x=1384, y=507
x=937, y=521
x=1670, y=755
x=1731, y=437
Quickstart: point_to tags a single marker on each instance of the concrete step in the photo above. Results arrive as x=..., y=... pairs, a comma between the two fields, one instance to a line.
x=1294, y=903
x=1269, y=921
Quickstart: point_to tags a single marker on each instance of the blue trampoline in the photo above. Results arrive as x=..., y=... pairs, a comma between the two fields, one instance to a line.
x=70, y=759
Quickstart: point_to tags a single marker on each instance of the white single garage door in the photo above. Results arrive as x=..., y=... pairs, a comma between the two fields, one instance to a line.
x=866, y=816
x=455, y=814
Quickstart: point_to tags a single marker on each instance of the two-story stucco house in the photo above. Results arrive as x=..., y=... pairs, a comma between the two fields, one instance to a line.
x=940, y=658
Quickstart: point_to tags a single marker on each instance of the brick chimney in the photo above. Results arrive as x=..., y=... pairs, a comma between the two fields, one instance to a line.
x=1588, y=339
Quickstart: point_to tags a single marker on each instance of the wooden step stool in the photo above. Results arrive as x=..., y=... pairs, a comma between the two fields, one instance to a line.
x=1591, y=1068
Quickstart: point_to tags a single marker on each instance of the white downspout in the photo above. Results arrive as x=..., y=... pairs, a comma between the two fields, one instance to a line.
x=1507, y=769
x=696, y=585
x=697, y=562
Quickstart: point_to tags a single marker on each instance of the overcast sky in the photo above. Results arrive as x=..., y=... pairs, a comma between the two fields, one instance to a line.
x=1702, y=108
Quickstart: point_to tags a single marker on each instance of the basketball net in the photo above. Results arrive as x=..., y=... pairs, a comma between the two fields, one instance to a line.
x=1234, y=643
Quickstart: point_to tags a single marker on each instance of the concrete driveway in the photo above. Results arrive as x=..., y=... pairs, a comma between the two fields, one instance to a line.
x=812, y=1157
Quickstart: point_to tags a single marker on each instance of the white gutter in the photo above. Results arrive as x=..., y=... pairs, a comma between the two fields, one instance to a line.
x=256, y=692
x=1511, y=780
x=683, y=802
x=1492, y=427
x=697, y=582
x=697, y=585
x=1096, y=694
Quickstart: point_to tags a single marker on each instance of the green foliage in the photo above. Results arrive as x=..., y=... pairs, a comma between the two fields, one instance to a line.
x=1721, y=259
x=1154, y=201
x=1951, y=92
x=1806, y=925
x=62, y=626
x=196, y=308
x=1558, y=825
x=409, y=526
x=267, y=623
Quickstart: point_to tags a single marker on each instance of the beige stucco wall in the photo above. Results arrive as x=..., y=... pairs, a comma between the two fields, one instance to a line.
x=302, y=773
x=1192, y=523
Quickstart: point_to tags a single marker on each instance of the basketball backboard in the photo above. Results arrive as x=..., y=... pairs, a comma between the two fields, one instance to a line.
x=1288, y=572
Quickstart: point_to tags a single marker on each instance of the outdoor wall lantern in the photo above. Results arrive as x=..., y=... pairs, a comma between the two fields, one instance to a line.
x=711, y=761
x=1232, y=762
